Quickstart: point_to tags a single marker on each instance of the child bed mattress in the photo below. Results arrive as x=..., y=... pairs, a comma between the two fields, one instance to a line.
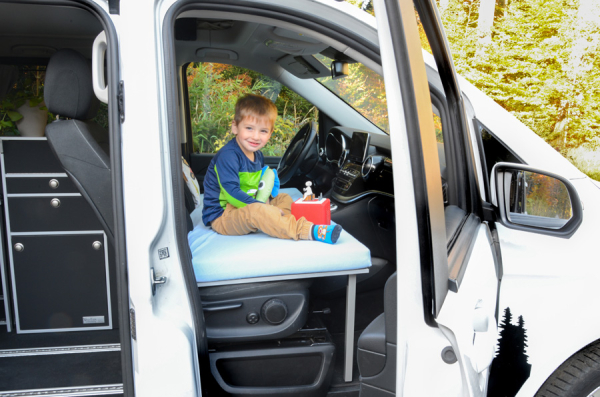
x=218, y=258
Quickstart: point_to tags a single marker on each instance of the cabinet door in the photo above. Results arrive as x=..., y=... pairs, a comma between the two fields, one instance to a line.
x=38, y=214
x=22, y=156
x=61, y=282
x=52, y=184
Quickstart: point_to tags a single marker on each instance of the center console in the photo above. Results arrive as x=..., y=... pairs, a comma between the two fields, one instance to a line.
x=362, y=174
x=363, y=202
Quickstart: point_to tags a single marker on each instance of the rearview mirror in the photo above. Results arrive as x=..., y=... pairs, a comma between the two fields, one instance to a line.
x=339, y=69
x=537, y=201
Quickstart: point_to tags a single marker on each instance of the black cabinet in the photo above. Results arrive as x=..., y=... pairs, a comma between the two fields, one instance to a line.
x=57, y=249
x=55, y=285
x=51, y=213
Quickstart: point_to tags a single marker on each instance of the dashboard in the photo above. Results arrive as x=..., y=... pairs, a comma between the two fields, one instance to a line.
x=364, y=164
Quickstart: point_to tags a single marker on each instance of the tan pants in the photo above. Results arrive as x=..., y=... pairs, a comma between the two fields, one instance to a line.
x=264, y=217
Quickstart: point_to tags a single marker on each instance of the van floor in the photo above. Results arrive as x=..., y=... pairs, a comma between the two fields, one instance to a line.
x=67, y=363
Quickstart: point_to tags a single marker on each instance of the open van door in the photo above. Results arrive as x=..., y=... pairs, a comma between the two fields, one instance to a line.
x=449, y=272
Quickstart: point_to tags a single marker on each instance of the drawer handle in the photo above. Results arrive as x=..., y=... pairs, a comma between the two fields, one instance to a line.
x=19, y=247
x=96, y=245
x=53, y=183
x=55, y=202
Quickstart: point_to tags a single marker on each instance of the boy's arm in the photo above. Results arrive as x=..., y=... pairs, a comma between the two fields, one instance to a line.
x=229, y=181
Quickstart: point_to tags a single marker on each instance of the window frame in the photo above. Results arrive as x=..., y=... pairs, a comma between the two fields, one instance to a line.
x=479, y=128
x=460, y=154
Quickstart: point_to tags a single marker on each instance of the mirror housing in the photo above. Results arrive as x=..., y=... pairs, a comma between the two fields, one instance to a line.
x=535, y=201
x=339, y=69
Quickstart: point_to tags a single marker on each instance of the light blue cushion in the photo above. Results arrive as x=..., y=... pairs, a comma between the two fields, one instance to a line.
x=217, y=258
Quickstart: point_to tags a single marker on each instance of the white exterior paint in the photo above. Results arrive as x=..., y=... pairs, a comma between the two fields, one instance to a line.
x=469, y=316
x=164, y=324
x=551, y=282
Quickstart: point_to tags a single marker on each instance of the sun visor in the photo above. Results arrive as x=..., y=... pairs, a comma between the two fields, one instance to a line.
x=293, y=43
x=216, y=55
x=304, y=66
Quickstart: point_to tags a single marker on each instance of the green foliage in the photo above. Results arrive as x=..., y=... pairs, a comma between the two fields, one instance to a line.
x=214, y=90
x=28, y=89
x=101, y=117
x=541, y=65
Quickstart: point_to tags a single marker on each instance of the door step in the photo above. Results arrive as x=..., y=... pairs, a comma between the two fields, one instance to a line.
x=80, y=391
x=45, y=351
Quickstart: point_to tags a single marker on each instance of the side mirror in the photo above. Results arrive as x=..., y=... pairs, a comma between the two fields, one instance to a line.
x=339, y=69
x=537, y=201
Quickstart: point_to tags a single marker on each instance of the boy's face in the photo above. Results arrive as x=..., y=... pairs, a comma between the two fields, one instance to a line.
x=252, y=134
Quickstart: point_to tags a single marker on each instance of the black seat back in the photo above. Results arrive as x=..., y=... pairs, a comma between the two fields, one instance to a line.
x=81, y=146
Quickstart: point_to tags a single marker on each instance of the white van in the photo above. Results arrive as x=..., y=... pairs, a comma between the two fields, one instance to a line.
x=466, y=237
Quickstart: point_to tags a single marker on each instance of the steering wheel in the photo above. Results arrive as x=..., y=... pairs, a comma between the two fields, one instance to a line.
x=296, y=152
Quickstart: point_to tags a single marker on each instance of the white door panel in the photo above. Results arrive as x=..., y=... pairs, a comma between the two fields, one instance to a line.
x=468, y=317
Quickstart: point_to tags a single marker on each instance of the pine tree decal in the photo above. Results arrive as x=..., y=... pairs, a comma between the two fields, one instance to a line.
x=510, y=368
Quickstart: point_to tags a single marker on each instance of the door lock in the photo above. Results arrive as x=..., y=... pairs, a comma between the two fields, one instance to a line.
x=156, y=280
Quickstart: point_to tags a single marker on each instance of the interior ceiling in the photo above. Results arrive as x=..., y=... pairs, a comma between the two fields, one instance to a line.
x=32, y=33
x=37, y=31
x=248, y=44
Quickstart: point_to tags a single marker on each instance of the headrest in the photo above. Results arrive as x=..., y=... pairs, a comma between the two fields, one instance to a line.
x=68, y=90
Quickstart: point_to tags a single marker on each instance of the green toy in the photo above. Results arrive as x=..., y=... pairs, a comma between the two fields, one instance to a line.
x=265, y=186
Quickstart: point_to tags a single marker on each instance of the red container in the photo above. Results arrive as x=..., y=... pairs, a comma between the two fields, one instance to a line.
x=316, y=211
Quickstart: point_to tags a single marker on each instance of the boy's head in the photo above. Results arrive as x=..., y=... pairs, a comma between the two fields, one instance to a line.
x=253, y=123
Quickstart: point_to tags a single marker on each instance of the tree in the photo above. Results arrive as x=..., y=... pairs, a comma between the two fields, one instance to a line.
x=484, y=24
x=510, y=369
x=530, y=66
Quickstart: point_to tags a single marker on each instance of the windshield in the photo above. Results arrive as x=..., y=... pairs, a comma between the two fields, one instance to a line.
x=363, y=89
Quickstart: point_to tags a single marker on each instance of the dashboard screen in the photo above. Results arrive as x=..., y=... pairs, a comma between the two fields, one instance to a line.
x=358, y=146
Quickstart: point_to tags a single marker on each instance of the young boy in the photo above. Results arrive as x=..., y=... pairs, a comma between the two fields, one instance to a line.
x=235, y=172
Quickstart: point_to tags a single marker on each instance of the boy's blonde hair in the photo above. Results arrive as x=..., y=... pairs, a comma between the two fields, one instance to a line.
x=255, y=106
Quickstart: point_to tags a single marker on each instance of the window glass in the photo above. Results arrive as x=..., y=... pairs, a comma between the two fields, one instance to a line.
x=363, y=89
x=437, y=124
x=24, y=96
x=495, y=151
x=213, y=91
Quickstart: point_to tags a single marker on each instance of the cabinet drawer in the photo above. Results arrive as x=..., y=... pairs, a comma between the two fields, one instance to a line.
x=36, y=214
x=29, y=156
x=60, y=282
x=43, y=184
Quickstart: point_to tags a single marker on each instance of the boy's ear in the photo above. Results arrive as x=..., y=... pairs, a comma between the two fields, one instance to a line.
x=234, y=127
